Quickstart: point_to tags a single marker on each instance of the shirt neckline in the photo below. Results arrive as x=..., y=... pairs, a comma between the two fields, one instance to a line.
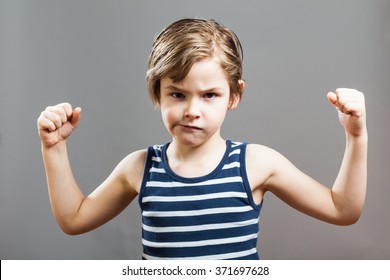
x=183, y=179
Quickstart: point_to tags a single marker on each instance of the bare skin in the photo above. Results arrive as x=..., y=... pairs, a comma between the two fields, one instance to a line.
x=193, y=111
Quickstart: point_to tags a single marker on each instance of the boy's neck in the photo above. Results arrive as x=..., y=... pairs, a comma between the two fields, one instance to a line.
x=183, y=153
x=198, y=160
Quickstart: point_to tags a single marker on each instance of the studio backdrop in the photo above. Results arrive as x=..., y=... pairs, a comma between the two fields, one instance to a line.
x=93, y=54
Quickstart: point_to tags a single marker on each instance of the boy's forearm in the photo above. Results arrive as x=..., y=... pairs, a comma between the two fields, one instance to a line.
x=65, y=195
x=349, y=189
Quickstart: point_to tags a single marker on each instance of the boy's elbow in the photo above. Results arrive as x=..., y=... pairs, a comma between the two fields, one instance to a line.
x=349, y=220
x=69, y=230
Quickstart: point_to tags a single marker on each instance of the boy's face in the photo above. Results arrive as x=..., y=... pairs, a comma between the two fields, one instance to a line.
x=194, y=109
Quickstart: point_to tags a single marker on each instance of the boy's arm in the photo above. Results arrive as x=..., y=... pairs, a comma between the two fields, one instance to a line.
x=349, y=188
x=343, y=203
x=74, y=212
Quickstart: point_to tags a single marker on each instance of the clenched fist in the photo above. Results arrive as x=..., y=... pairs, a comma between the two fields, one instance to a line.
x=352, y=111
x=57, y=123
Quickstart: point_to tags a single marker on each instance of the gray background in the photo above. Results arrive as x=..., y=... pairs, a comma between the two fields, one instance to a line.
x=93, y=54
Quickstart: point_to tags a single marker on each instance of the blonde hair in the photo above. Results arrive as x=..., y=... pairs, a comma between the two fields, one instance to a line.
x=187, y=41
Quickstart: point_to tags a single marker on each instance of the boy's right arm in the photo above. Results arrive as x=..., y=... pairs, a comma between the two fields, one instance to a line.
x=75, y=212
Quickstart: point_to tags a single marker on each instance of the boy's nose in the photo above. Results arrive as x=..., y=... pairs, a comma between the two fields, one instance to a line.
x=192, y=110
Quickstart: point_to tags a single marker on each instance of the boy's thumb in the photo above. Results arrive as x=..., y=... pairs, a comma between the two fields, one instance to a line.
x=74, y=120
x=332, y=97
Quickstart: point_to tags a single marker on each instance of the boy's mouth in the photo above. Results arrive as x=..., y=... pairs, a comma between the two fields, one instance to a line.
x=189, y=127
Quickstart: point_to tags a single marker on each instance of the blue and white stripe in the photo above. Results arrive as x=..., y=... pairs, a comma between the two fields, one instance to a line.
x=209, y=217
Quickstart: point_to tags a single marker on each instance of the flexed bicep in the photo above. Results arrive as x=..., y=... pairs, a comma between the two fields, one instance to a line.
x=110, y=198
x=300, y=191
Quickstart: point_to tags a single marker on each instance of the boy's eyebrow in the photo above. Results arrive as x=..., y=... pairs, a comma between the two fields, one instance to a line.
x=173, y=87
x=179, y=89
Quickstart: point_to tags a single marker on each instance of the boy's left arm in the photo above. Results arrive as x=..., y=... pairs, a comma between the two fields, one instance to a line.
x=349, y=188
x=342, y=204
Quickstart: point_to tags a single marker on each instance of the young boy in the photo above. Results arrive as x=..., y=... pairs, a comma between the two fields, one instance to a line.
x=200, y=195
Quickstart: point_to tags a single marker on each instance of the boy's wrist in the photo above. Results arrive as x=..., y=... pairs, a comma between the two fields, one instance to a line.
x=362, y=137
x=56, y=148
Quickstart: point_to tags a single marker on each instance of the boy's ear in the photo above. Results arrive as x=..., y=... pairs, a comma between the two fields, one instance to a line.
x=234, y=100
x=242, y=85
x=236, y=97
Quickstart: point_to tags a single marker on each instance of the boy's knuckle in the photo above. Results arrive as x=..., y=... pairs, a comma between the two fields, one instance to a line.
x=57, y=118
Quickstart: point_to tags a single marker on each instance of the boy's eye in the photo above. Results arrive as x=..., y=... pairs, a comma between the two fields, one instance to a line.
x=177, y=95
x=209, y=95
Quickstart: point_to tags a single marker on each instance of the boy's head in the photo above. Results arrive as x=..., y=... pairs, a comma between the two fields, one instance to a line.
x=187, y=41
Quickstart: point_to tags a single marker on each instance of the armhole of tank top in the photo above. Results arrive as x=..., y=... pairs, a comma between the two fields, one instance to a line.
x=245, y=179
x=145, y=177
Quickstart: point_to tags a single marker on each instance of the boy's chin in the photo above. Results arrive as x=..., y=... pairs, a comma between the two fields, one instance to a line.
x=189, y=142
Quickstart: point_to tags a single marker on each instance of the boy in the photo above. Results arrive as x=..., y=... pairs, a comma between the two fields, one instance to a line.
x=200, y=195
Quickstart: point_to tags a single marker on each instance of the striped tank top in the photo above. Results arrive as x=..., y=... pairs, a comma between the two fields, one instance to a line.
x=207, y=217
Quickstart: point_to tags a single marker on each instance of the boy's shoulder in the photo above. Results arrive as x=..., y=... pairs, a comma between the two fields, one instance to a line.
x=258, y=148
x=133, y=162
x=131, y=169
x=261, y=154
